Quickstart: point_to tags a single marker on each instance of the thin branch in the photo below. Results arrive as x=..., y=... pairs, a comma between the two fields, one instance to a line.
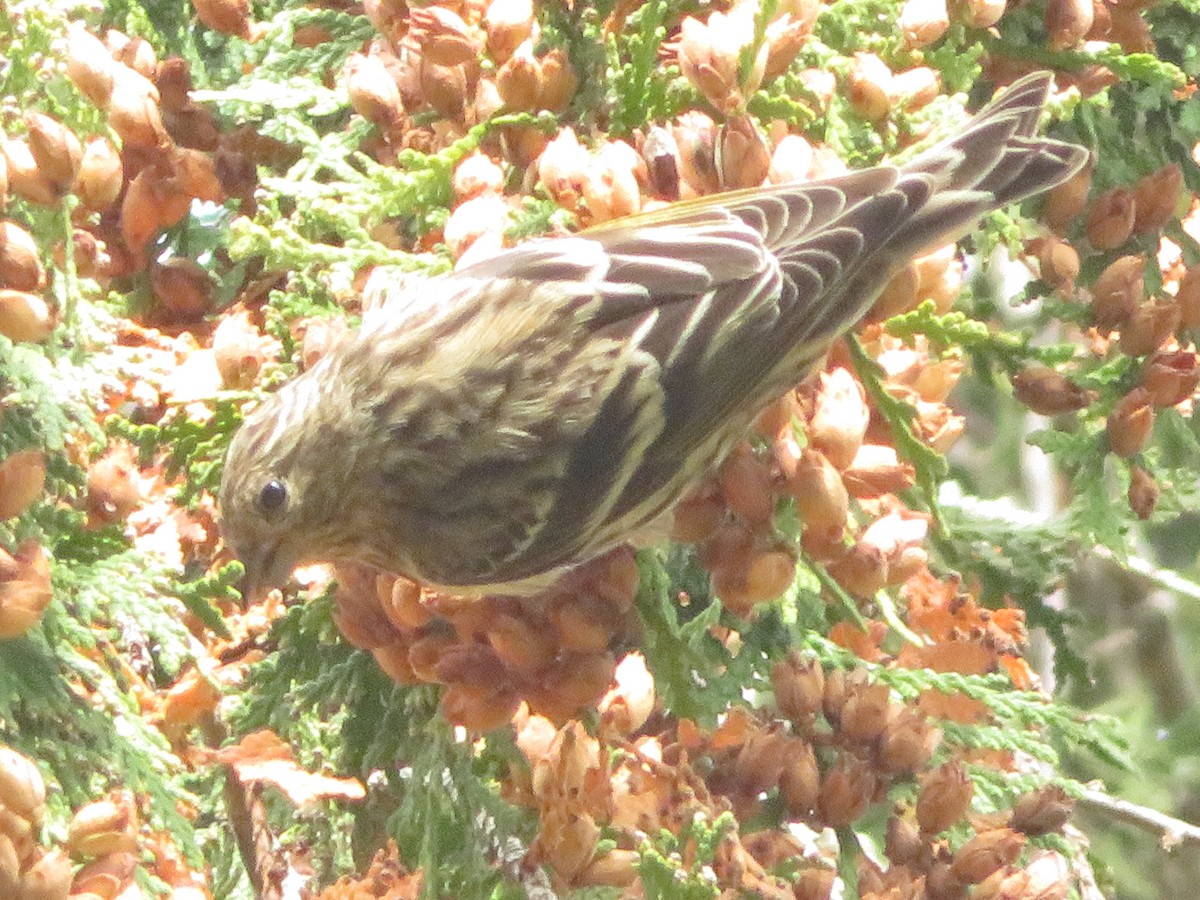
x=1172, y=832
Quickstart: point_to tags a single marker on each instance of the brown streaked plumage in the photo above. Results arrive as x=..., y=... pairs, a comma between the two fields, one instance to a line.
x=532, y=410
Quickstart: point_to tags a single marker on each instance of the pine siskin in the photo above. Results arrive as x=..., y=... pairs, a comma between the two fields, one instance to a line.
x=536, y=408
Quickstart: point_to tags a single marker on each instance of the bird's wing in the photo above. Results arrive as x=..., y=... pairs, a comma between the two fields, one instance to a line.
x=718, y=304
x=706, y=318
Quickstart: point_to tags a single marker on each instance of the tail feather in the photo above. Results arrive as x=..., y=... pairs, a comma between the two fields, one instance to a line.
x=994, y=161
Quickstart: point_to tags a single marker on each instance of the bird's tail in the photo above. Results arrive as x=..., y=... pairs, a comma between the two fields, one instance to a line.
x=995, y=160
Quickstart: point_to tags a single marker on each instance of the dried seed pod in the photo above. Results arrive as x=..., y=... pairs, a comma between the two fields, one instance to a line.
x=944, y=797
x=1050, y=393
x=562, y=169
x=358, y=614
x=196, y=175
x=1066, y=201
x=762, y=579
x=444, y=38
x=904, y=845
x=1118, y=292
x=710, y=52
x=24, y=316
x=914, y=88
x=1188, y=299
x=478, y=710
x=56, y=150
x=1058, y=264
x=661, y=155
x=1148, y=328
x=865, y=713
x=696, y=137
x=840, y=417
x=508, y=24
x=1110, y=219
x=923, y=21
x=821, y=84
x=791, y=161
x=112, y=492
x=558, y=81
x=390, y=17
x=153, y=201
x=869, y=84
x=89, y=65
x=173, y=79
x=134, y=114
x=101, y=175
x=136, y=53
x=610, y=186
x=877, y=470
x=742, y=158
x=747, y=486
x=697, y=517
x=908, y=742
x=986, y=852
x=372, y=90
x=982, y=13
x=182, y=288
x=237, y=349
x=22, y=789
x=941, y=277
x=616, y=868
x=814, y=884
x=821, y=497
x=47, y=879
x=20, y=267
x=1130, y=422
x=847, y=789
x=1067, y=21
x=521, y=644
x=1043, y=811
x=106, y=877
x=226, y=16
x=477, y=174
x=519, y=80
x=25, y=591
x=1129, y=29
x=899, y=296
x=25, y=178
x=92, y=259
x=1143, y=492
x=785, y=38
x=444, y=88
x=1170, y=378
x=799, y=685
x=862, y=571
x=800, y=779
x=103, y=827
x=1156, y=199
x=936, y=380
x=477, y=224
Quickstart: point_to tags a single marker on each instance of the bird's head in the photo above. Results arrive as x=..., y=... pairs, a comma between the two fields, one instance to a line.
x=282, y=497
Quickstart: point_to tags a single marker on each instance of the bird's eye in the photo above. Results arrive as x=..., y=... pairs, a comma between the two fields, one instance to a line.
x=272, y=497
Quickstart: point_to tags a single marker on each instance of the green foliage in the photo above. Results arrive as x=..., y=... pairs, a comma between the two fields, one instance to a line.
x=689, y=664
x=929, y=464
x=668, y=875
x=195, y=449
x=333, y=704
x=642, y=89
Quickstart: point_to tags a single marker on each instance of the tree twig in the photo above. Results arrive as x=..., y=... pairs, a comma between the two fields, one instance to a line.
x=1172, y=832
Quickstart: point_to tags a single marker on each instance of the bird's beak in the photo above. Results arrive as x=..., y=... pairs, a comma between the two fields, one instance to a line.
x=266, y=567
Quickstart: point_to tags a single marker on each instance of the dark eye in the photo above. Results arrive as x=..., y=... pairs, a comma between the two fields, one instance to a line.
x=272, y=497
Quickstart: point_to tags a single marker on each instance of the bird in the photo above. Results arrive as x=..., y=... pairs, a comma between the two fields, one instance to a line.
x=505, y=423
